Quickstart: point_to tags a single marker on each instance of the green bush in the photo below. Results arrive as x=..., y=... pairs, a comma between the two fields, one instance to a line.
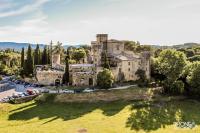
x=194, y=58
x=142, y=81
x=105, y=79
x=177, y=87
x=194, y=80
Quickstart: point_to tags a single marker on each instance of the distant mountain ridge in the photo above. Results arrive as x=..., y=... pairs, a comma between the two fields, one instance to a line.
x=178, y=46
x=19, y=46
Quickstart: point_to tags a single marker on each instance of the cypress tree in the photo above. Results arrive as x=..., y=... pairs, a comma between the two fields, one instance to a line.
x=105, y=60
x=22, y=58
x=29, y=63
x=37, y=55
x=44, y=56
x=22, y=63
x=48, y=56
x=66, y=75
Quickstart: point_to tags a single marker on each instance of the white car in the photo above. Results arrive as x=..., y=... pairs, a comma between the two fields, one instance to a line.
x=53, y=92
x=68, y=91
x=88, y=90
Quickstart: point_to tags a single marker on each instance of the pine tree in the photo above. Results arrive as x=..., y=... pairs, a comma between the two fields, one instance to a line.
x=29, y=62
x=66, y=75
x=37, y=55
x=44, y=56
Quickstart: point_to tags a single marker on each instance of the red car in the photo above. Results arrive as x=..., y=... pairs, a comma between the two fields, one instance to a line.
x=30, y=92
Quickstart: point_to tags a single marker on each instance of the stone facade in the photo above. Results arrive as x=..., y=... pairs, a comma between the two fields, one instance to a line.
x=123, y=63
x=82, y=74
x=49, y=77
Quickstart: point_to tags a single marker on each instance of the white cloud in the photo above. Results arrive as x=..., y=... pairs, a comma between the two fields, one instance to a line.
x=25, y=9
x=32, y=29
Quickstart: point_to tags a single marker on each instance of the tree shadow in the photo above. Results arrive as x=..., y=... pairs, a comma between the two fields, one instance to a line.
x=65, y=111
x=150, y=116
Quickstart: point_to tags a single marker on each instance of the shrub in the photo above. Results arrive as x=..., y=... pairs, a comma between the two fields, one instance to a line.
x=175, y=88
x=105, y=79
x=171, y=63
x=142, y=81
x=194, y=80
x=194, y=58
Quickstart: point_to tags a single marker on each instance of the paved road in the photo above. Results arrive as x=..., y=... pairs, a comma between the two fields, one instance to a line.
x=7, y=93
x=123, y=87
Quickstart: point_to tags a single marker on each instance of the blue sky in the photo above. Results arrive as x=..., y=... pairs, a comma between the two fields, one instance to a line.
x=162, y=22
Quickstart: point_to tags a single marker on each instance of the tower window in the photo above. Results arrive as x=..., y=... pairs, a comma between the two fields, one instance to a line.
x=129, y=63
x=129, y=69
x=117, y=47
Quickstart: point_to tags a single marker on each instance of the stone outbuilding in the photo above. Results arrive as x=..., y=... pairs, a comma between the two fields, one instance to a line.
x=83, y=74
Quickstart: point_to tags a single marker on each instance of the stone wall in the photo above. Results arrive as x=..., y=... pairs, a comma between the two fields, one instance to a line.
x=49, y=77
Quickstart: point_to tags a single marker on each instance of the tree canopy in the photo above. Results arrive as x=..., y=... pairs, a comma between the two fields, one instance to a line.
x=105, y=79
x=171, y=63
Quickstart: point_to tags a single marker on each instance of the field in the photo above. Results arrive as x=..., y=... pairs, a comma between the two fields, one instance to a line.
x=119, y=116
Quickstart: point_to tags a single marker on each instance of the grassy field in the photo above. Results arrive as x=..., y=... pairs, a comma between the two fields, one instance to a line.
x=120, y=116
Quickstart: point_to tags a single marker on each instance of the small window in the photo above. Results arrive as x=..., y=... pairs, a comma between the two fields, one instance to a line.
x=117, y=47
x=129, y=63
x=129, y=69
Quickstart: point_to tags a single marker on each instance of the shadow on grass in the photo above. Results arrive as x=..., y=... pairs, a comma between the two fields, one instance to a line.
x=144, y=115
x=150, y=116
x=65, y=111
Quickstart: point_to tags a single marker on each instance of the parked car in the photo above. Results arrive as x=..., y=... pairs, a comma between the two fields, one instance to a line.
x=36, y=91
x=88, y=90
x=10, y=97
x=21, y=95
x=78, y=90
x=5, y=99
x=53, y=92
x=15, y=96
x=45, y=91
x=68, y=91
x=26, y=94
x=30, y=92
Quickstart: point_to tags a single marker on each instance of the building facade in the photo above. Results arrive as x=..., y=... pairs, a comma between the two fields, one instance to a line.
x=123, y=63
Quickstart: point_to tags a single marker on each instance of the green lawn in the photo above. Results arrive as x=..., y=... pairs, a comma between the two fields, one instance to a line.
x=101, y=117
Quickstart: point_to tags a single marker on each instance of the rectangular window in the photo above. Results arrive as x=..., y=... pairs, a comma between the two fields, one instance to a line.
x=117, y=47
x=129, y=63
x=129, y=69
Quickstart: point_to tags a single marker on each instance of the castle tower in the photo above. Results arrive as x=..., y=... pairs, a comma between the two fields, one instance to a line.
x=102, y=39
x=55, y=59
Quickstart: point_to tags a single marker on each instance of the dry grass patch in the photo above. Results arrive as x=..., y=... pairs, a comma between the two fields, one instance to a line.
x=105, y=95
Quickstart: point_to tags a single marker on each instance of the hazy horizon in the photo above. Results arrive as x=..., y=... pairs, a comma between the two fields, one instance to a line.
x=153, y=22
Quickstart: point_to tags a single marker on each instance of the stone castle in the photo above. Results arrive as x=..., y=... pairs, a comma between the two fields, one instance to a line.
x=123, y=63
